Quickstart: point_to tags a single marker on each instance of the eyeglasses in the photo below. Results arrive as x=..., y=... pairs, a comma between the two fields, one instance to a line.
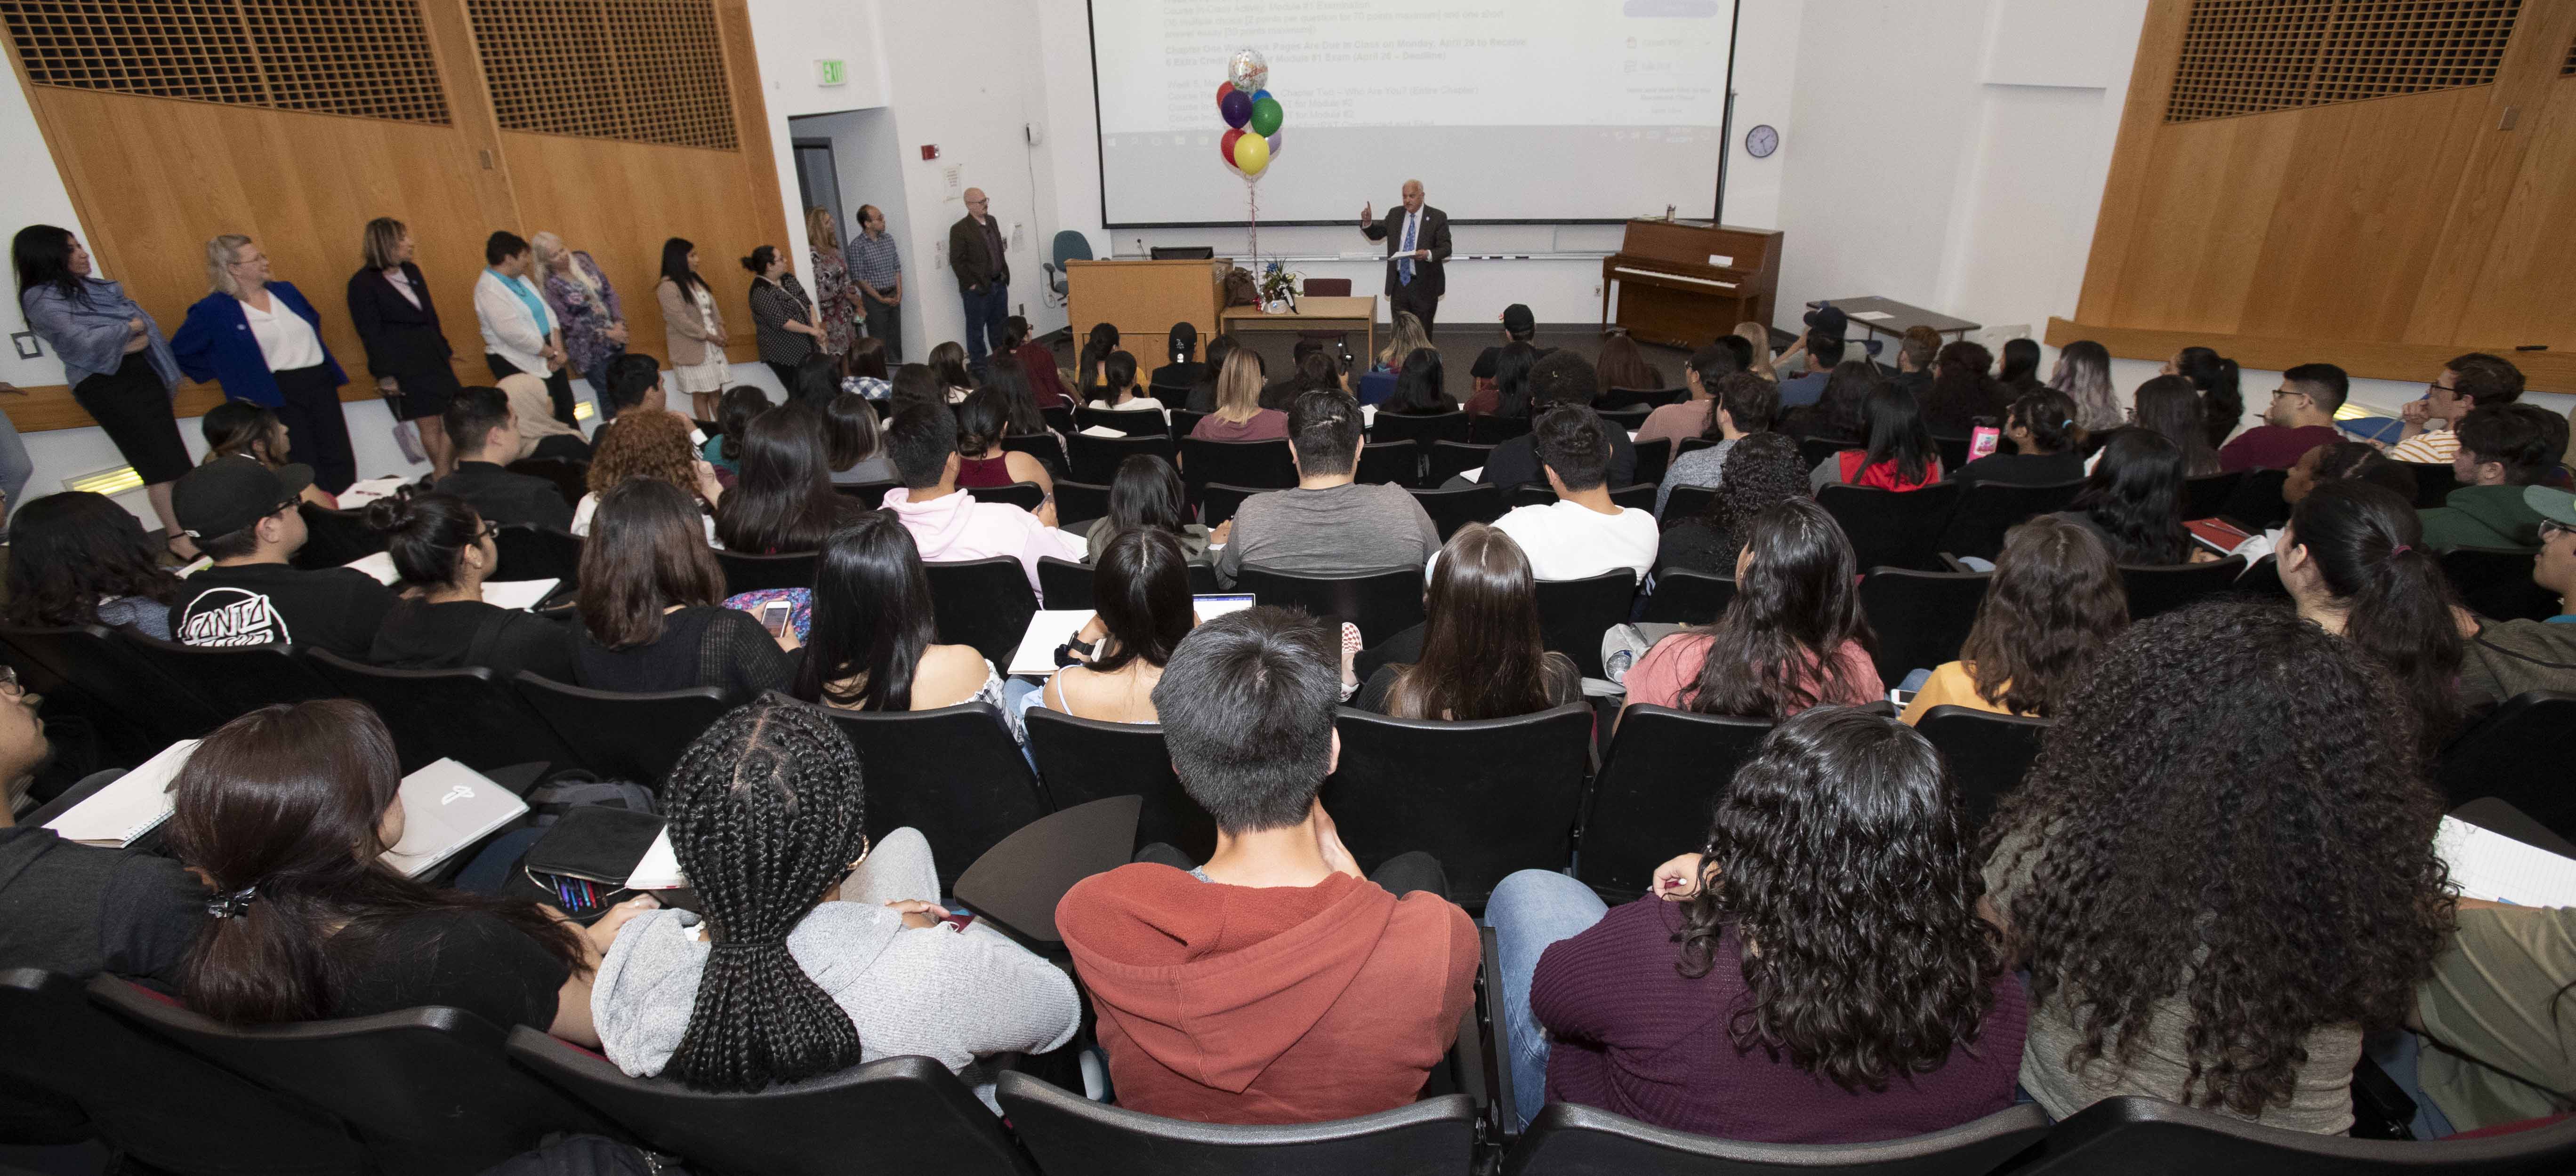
x=2548, y=530
x=491, y=530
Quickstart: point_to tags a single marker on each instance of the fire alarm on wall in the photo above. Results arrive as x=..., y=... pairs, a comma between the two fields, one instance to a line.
x=930, y=151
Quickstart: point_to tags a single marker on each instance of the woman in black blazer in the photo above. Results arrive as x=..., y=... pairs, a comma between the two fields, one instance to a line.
x=390, y=305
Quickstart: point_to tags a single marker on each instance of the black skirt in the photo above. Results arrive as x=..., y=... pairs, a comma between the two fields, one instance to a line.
x=133, y=405
x=423, y=394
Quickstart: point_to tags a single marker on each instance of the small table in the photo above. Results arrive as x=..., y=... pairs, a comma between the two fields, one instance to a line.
x=1900, y=317
x=1355, y=313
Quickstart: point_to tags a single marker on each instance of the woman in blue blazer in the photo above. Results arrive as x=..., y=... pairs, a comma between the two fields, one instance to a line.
x=263, y=342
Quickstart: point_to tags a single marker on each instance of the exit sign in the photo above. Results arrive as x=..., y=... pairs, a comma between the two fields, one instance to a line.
x=834, y=72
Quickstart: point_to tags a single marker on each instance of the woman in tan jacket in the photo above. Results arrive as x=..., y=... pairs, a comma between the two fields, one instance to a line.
x=692, y=328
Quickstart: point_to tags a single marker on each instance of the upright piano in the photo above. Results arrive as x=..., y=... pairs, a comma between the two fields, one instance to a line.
x=1685, y=282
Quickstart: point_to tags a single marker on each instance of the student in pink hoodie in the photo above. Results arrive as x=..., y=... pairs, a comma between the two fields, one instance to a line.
x=949, y=525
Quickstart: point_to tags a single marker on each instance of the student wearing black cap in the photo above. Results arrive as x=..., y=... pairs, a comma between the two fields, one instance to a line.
x=1822, y=347
x=243, y=515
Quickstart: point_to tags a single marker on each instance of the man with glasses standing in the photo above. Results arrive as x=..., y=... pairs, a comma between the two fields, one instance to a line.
x=1417, y=254
x=243, y=515
x=975, y=251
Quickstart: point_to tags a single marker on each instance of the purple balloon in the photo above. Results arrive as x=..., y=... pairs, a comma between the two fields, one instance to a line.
x=1278, y=140
x=1237, y=108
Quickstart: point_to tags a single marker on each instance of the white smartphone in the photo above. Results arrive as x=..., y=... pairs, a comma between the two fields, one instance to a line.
x=773, y=617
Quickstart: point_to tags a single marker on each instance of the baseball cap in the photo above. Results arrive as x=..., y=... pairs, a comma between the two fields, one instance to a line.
x=2557, y=506
x=1829, y=321
x=230, y=493
x=1518, y=320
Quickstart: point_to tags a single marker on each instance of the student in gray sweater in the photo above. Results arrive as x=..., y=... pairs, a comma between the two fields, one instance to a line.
x=766, y=810
x=1329, y=523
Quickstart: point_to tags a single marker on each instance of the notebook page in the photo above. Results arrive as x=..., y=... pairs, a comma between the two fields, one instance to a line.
x=134, y=805
x=660, y=867
x=518, y=593
x=2492, y=866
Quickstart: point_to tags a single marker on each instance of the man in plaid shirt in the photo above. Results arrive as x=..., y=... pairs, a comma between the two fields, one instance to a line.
x=878, y=271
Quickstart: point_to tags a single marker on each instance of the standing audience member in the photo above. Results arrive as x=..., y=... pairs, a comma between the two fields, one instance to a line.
x=734, y=415
x=1184, y=370
x=262, y=341
x=2083, y=373
x=1329, y=523
x=693, y=333
x=1761, y=472
x=2220, y=871
x=594, y=324
x=983, y=422
x=1740, y=405
x=2019, y=375
x=863, y=369
x=1561, y=378
x=485, y=437
x=1793, y=637
x=875, y=631
x=2214, y=378
x=243, y=514
x=1901, y=454
x=1962, y=392
x=784, y=501
x=2168, y=407
x=1421, y=389
x=77, y=558
x=876, y=266
x=2500, y=450
x=1239, y=415
x=653, y=447
x=1273, y=983
x=782, y=314
x=407, y=350
x=2355, y=560
x=836, y=295
x=540, y=434
x=1582, y=534
x=1915, y=352
x=812, y=950
x=1689, y=416
x=1147, y=494
x=2054, y=604
x=1832, y=917
x=2507, y=658
x=947, y=524
x=122, y=372
x=1141, y=591
x=854, y=443
x=2132, y=501
x=652, y=604
x=1839, y=415
x=1483, y=656
x=239, y=428
x=2428, y=435
x=2041, y=426
x=2300, y=418
x=1623, y=364
x=977, y=252
x=520, y=332
x=444, y=552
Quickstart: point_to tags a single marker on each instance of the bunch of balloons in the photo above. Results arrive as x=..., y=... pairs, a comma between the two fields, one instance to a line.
x=1252, y=113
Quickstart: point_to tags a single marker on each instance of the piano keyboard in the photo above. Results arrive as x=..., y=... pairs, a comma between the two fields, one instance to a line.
x=1665, y=277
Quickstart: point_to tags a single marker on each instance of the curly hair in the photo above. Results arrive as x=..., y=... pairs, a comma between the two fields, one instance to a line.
x=766, y=810
x=1777, y=648
x=2230, y=816
x=73, y=550
x=2055, y=602
x=1761, y=471
x=1839, y=852
x=653, y=446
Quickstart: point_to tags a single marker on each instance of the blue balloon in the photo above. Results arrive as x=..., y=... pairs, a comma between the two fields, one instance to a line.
x=1237, y=108
x=1259, y=95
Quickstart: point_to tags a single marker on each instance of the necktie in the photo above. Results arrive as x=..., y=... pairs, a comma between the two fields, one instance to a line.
x=1404, y=268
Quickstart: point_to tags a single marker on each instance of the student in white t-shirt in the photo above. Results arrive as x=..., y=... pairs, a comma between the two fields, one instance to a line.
x=1582, y=533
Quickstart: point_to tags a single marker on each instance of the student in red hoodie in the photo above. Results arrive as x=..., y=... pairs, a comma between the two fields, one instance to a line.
x=1274, y=983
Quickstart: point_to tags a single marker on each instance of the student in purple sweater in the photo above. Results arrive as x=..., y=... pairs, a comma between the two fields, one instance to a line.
x=1819, y=975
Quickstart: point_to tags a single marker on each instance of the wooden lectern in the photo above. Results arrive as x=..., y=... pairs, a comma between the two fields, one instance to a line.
x=1684, y=283
x=1143, y=299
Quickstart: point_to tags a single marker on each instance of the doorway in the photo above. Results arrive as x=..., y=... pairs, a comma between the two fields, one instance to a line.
x=818, y=178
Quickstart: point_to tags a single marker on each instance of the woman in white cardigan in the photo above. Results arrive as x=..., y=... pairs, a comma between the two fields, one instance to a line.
x=520, y=334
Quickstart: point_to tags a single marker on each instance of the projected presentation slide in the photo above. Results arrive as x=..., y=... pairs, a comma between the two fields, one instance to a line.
x=1505, y=109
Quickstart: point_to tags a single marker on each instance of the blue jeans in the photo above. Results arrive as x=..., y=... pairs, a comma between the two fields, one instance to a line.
x=1528, y=911
x=984, y=315
x=16, y=468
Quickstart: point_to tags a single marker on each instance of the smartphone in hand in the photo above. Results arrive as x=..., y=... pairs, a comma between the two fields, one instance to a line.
x=773, y=617
x=1983, y=442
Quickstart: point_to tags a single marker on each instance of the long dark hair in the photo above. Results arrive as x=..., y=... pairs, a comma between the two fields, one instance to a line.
x=2227, y=829
x=1961, y=389
x=734, y=412
x=767, y=809
x=948, y=362
x=1118, y=375
x=1777, y=650
x=2368, y=548
x=1482, y=653
x=1841, y=413
x=2215, y=376
x=2170, y=408
x=2054, y=604
x=783, y=499
x=1095, y=351
x=1760, y=472
x=914, y=384
x=2135, y=495
x=42, y=255
x=1146, y=492
x=241, y=427
x=1006, y=375
x=872, y=618
x=1897, y=433
x=1183, y=342
x=850, y=431
x=818, y=380
x=647, y=551
x=285, y=805
x=2020, y=371
x=675, y=266
x=982, y=421
x=426, y=534
x=70, y=551
x=1421, y=387
x=1142, y=591
x=1623, y=364
x=1838, y=861
x=1512, y=366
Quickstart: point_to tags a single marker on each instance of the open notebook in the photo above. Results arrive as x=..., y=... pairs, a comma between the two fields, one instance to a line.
x=446, y=807
x=2497, y=868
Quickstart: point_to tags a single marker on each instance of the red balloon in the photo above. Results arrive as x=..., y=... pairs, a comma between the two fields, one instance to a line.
x=1226, y=146
x=1223, y=89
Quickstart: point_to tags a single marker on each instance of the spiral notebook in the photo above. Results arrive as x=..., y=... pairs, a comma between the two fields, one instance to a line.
x=137, y=803
x=2497, y=868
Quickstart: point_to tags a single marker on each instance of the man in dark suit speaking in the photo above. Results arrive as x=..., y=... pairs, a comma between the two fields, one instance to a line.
x=1417, y=252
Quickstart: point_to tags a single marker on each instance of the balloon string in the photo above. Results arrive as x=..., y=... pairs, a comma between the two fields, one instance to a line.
x=1252, y=200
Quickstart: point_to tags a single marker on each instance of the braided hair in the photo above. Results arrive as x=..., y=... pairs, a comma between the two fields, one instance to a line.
x=766, y=811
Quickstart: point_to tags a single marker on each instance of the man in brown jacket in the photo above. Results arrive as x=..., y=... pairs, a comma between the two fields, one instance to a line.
x=975, y=250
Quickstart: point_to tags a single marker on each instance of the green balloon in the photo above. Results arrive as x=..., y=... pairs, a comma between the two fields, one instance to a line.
x=1266, y=115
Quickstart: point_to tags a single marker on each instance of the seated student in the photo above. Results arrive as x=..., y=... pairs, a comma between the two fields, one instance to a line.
x=1421, y=389
x=484, y=434
x=2041, y=426
x=1239, y=415
x=1561, y=378
x=1481, y=655
x=1273, y=983
x=1503, y=386
x=77, y=558
x=862, y=369
x=853, y=442
x=2502, y=658
x=2217, y=889
x=1962, y=390
x=2299, y=419
x=1118, y=390
x=1838, y=413
x=2429, y=434
x=2174, y=408
x=285, y=812
x=651, y=603
x=949, y=525
x=540, y=434
x=1184, y=371
x=83, y=909
x=956, y=376
x=2499, y=451
x=1096, y=347
x=2496, y=1044
x=733, y=415
x=1741, y=405
x=983, y=420
x=439, y=621
x=633, y=383
x=1313, y=371
x=2018, y=374
x=813, y=951
x=1623, y=364
x=2055, y=602
x=782, y=500
x=914, y=384
x=1900, y=454
x=1761, y=472
x=239, y=428
x=2354, y=558
x=874, y=633
x=2359, y=461
x=1793, y=637
x=1915, y=351
x=1824, y=347
x=1329, y=523
x=1035, y=364
x=1203, y=391
x=1142, y=593
x=243, y=516
x=1147, y=493
x=1700, y=376
x=2133, y=501
x=1582, y=533
x=1831, y=984
x=655, y=449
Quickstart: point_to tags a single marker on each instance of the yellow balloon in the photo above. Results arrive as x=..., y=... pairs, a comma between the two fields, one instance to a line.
x=1251, y=154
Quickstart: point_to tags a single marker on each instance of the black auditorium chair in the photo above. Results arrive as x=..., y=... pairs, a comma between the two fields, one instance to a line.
x=1988, y=754
x=1572, y=614
x=1262, y=465
x=1954, y=452
x=1921, y=618
x=1687, y=597
x=2434, y=482
x=953, y=773
x=985, y=603
x=1485, y=797
x=1073, y=1136
x=1452, y=509
x=1653, y=458
x=1390, y=463
x=1528, y=494
x=1046, y=447
x=1219, y=500
x=1988, y=509
x=1421, y=430
x=425, y=1090
x=237, y=679
x=1889, y=528
x=1687, y=502
x=570, y=478
x=1134, y=422
x=130, y=690
x=159, y=1107
x=1063, y=583
x=2516, y=753
x=1382, y=603
x=1185, y=421
x=2496, y=582
x=634, y=737
x=869, y=495
x=1028, y=496
x=2263, y=580
x=1690, y=444
x=1448, y=459
x=1083, y=760
x=1569, y=1139
x=2258, y=504
x=1078, y=501
x=1494, y=430
x=1059, y=417
x=466, y=714
x=2208, y=496
x=1655, y=791
x=753, y=573
x=1814, y=451
x=1639, y=496
x=1627, y=420
x=531, y=552
x=1096, y=459
x=1648, y=398
x=2133, y=1135
x=904, y=1114
x=2154, y=590
x=334, y=537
